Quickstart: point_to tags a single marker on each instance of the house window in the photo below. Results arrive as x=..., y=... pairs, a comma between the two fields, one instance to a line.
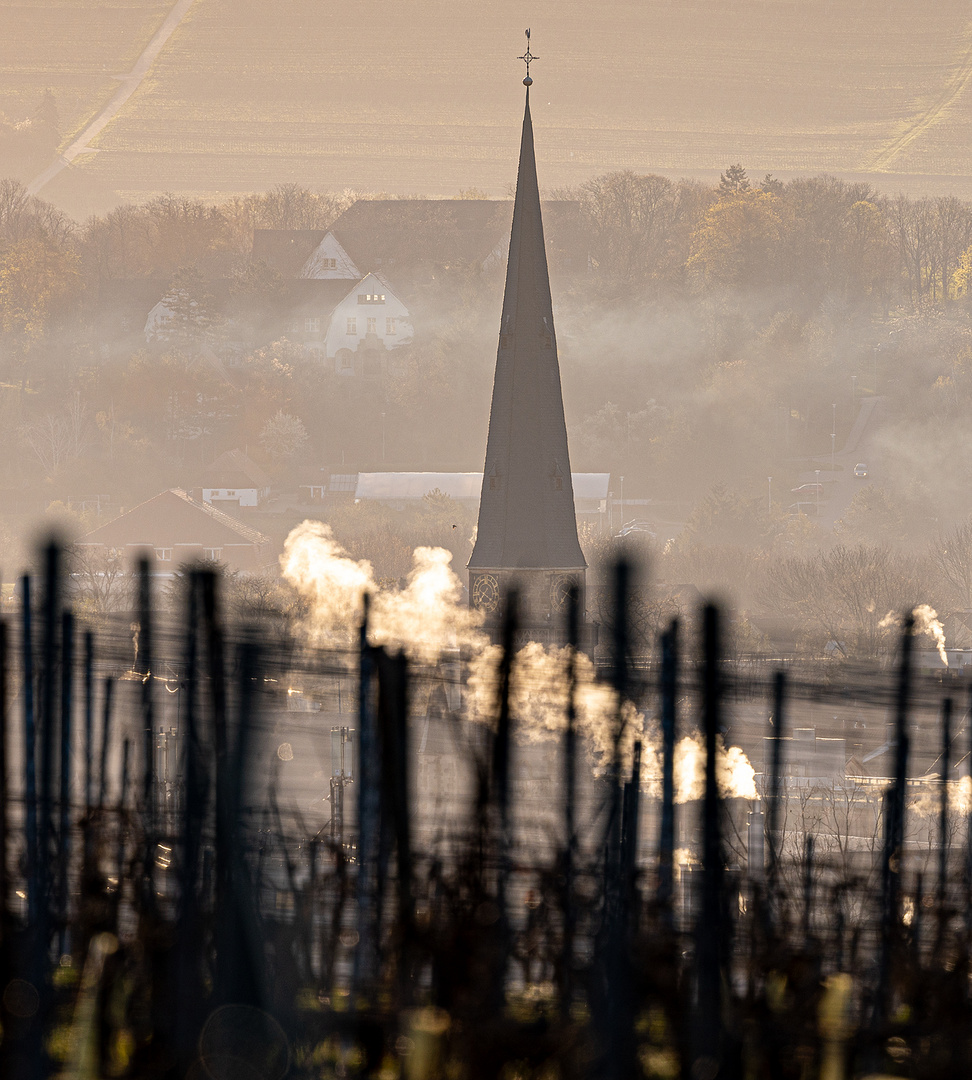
x=163, y=554
x=331, y=264
x=213, y=554
x=294, y=326
x=389, y=326
x=347, y=360
x=230, y=494
x=312, y=326
x=371, y=298
x=372, y=326
x=352, y=325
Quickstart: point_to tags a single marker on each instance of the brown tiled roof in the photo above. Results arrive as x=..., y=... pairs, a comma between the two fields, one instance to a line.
x=388, y=233
x=286, y=250
x=233, y=470
x=318, y=296
x=173, y=518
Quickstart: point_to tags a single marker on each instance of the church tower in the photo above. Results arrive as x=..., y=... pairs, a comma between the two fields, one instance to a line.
x=527, y=533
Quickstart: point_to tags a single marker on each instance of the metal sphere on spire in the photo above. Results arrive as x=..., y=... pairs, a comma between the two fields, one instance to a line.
x=527, y=58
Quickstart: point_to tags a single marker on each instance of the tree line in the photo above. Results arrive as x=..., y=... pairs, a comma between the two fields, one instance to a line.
x=720, y=334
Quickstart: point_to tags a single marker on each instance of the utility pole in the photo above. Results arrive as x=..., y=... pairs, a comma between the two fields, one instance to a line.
x=833, y=440
x=342, y=774
x=769, y=494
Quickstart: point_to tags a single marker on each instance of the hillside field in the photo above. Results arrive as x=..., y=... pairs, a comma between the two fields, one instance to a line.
x=424, y=97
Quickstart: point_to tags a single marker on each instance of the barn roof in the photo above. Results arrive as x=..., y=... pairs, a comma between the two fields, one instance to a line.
x=172, y=519
x=234, y=469
x=383, y=233
x=286, y=250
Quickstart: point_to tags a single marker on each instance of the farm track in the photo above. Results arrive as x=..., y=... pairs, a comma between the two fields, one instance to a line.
x=129, y=84
x=931, y=116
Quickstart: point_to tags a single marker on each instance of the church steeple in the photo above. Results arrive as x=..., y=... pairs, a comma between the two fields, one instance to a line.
x=526, y=513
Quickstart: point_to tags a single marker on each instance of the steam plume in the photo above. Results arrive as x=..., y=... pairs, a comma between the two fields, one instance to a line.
x=428, y=616
x=926, y=622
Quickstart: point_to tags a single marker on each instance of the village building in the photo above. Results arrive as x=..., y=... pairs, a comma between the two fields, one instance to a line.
x=304, y=253
x=351, y=329
x=411, y=241
x=233, y=480
x=401, y=489
x=173, y=529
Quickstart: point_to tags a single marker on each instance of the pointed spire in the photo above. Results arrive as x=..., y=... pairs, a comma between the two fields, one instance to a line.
x=526, y=513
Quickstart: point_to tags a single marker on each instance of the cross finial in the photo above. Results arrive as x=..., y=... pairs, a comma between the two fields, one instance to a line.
x=527, y=57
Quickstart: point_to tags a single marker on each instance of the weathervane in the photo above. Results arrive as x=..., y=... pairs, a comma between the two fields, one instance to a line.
x=526, y=58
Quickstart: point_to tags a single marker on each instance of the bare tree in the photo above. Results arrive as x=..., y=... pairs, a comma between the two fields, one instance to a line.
x=98, y=578
x=844, y=595
x=57, y=438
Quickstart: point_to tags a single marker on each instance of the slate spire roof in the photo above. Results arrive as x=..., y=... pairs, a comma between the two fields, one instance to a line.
x=526, y=513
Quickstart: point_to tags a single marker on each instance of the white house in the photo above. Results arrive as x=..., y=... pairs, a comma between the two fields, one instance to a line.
x=330, y=260
x=157, y=321
x=233, y=479
x=349, y=326
x=368, y=321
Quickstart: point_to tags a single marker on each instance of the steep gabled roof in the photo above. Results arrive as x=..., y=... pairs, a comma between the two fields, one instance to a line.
x=526, y=511
x=395, y=232
x=173, y=518
x=330, y=248
x=318, y=296
x=286, y=250
x=388, y=233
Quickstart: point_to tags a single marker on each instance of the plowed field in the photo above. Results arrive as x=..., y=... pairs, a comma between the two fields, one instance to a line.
x=407, y=96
